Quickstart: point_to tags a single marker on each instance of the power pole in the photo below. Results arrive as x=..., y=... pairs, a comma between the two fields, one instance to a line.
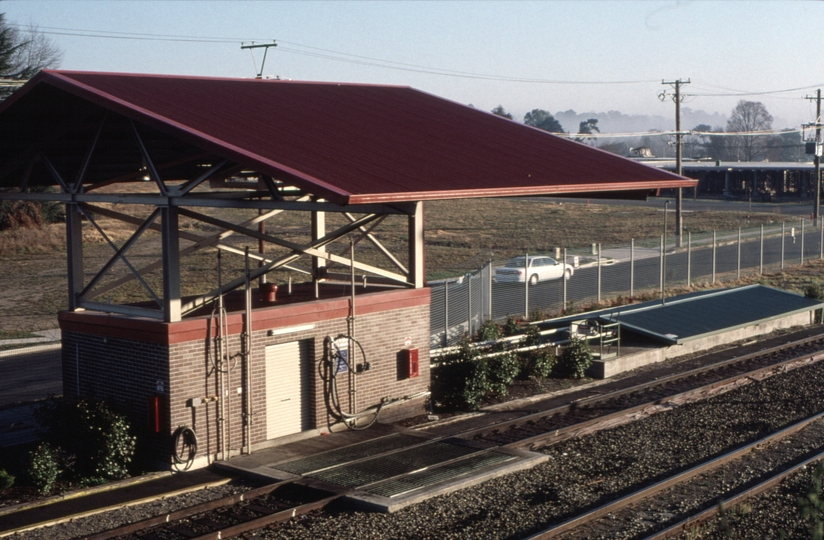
x=817, y=154
x=677, y=98
x=265, y=47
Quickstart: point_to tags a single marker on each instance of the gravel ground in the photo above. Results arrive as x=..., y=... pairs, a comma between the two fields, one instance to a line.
x=587, y=472
x=82, y=527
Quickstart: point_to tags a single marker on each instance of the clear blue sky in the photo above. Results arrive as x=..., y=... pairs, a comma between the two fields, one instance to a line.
x=723, y=47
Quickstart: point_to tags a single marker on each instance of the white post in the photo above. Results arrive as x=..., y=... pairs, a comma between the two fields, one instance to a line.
x=563, y=309
x=713, y=257
x=739, y=254
x=689, y=258
x=761, y=252
x=632, y=267
x=599, y=273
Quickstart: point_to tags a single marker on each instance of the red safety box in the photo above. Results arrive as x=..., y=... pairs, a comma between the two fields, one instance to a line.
x=410, y=362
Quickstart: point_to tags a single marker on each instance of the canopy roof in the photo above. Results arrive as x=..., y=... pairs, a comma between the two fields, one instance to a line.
x=347, y=143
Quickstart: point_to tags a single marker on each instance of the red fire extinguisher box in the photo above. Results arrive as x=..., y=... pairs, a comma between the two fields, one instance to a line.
x=409, y=363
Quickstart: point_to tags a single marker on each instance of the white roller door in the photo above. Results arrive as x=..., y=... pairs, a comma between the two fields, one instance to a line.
x=287, y=388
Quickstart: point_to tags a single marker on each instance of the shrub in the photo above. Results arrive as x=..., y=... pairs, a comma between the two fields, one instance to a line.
x=489, y=330
x=6, y=480
x=502, y=370
x=575, y=359
x=814, y=290
x=532, y=336
x=95, y=440
x=461, y=383
x=511, y=326
x=45, y=467
x=538, y=363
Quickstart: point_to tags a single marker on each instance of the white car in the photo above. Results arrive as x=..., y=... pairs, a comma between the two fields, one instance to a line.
x=541, y=268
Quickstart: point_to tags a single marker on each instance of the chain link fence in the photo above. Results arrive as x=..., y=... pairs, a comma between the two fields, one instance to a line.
x=601, y=273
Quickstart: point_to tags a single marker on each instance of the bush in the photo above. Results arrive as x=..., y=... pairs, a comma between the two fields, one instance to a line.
x=461, y=383
x=95, y=440
x=45, y=467
x=511, y=326
x=488, y=331
x=502, y=370
x=814, y=290
x=576, y=358
x=6, y=480
x=532, y=336
x=538, y=363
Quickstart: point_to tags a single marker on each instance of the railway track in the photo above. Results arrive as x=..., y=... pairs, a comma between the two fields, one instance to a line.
x=276, y=504
x=577, y=418
x=643, y=500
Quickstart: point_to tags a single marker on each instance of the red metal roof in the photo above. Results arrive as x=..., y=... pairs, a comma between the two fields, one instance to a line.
x=354, y=143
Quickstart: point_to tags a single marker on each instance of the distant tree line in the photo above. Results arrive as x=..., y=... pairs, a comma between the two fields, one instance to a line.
x=746, y=117
x=23, y=53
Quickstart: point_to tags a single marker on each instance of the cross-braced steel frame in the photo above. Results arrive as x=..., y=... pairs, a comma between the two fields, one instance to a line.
x=175, y=199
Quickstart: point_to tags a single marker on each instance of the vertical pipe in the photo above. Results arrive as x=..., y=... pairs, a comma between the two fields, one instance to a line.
x=689, y=258
x=632, y=268
x=713, y=257
x=738, y=270
x=802, y=241
x=783, y=232
x=599, y=273
x=761, y=252
x=564, y=281
x=247, y=358
x=526, y=286
x=353, y=398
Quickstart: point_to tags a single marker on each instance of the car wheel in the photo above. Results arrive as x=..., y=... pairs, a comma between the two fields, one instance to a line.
x=568, y=274
x=533, y=279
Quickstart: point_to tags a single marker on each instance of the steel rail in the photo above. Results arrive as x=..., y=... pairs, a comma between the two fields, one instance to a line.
x=568, y=432
x=516, y=422
x=226, y=502
x=709, y=513
x=678, y=478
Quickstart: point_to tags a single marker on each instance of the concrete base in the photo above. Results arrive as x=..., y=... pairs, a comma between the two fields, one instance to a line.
x=603, y=369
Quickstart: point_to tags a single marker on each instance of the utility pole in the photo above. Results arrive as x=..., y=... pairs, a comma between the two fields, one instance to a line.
x=265, y=47
x=677, y=98
x=817, y=154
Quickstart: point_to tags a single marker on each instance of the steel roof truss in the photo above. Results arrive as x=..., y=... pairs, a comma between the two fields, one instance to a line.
x=81, y=174
x=147, y=161
x=148, y=222
x=375, y=242
x=200, y=242
x=54, y=173
x=191, y=184
x=121, y=256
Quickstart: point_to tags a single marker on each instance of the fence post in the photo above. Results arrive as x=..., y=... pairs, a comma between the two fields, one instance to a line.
x=599, y=273
x=739, y=254
x=783, y=232
x=713, y=257
x=564, y=281
x=446, y=313
x=489, y=289
x=689, y=258
x=632, y=267
x=526, y=286
x=661, y=268
x=469, y=305
x=802, y=241
x=761, y=252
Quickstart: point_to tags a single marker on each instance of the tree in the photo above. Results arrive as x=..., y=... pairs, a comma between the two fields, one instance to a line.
x=541, y=119
x=747, y=117
x=586, y=128
x=500, y=111
x=23, y=53
x=702, y=145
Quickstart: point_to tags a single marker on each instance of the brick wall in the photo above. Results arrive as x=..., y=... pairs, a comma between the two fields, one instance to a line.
x=182, y=357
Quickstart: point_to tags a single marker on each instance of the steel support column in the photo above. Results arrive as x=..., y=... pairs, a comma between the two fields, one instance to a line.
x=416, y=245
x=74, y=253
x=171, y=264
x=318, y=232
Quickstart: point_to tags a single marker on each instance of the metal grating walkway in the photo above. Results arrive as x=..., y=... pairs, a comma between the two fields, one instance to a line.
x=384, y=467
x=428, y=477
x=347, y=454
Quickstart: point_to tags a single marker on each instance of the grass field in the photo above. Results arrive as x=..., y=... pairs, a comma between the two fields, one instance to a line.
x=460, y=235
